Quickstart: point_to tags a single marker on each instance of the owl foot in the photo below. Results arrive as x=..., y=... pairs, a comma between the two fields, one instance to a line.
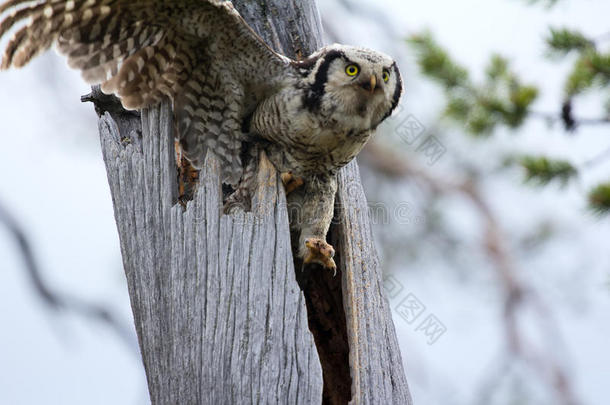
x=291, y=182
x=318, y=251
x=188, y=176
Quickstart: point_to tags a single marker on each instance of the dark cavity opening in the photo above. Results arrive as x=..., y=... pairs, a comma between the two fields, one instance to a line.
x=326, y=316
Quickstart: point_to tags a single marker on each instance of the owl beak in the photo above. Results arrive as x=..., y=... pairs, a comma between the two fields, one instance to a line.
x=370, y=85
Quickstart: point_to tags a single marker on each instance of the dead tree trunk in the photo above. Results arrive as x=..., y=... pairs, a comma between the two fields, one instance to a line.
x=219, y=314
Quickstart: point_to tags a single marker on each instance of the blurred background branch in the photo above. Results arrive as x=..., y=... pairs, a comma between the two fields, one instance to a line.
x=57, y=301
x=489, y=190
x=478, y=109
x=517, y=295
x=503, y=100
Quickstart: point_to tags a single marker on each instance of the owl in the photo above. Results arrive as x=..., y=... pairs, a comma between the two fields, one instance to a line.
x=228, y=89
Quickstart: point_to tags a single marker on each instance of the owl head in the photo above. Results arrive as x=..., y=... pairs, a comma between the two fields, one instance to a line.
x=352, y=84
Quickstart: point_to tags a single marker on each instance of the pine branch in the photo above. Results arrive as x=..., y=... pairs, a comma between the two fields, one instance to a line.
x=517, y=295
x=599, y=199
x=562, y=41
x=500, y=100
x=566, y=118
x=543, y=170
x=436, y=63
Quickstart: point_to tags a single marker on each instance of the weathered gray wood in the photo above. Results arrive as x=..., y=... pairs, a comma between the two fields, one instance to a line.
x=219, y=315
x=374, y=358
x=217, y=309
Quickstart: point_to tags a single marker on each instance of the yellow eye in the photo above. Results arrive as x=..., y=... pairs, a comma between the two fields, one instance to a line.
x=351, y=70
x=386, y=76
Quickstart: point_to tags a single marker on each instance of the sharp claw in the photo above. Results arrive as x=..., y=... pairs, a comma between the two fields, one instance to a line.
x=320, y=252
x=291, y=182
x=188, y=176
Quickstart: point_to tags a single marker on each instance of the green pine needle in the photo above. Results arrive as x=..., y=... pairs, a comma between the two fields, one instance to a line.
x=436, y=63
x=501, y=100
x=542, y=170
x=599, y=199
x=498, y=67
x=600, y=64
x=582, y=76
x=562, y=41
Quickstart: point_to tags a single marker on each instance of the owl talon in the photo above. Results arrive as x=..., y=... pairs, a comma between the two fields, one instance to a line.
x=188, y=176
x=318, y=251
x=291, y=182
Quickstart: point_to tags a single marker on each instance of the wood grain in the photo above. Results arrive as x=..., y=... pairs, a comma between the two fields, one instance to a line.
x=219, y=314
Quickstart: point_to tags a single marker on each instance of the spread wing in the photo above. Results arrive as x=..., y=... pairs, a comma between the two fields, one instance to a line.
x=200, y=53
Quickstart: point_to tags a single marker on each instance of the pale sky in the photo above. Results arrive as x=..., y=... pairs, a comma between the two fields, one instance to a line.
x=53, y=180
